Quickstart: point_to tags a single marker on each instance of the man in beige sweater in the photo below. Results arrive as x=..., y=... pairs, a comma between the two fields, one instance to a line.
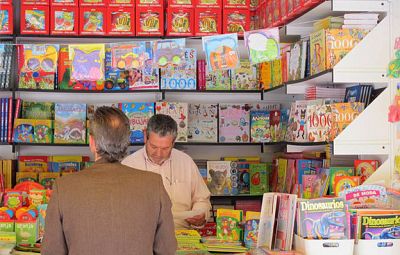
x=109, y=208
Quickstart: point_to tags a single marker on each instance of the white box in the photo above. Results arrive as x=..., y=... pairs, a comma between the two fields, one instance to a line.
x=372, y=247
x=323, y=247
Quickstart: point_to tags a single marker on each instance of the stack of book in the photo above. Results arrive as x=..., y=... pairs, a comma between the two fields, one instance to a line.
x=360, y=20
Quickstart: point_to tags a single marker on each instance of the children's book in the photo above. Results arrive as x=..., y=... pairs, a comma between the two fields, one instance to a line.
x=342, y=115
x=317, y=52
x=365, y=168
x=234, y=123
x=251, y=229
x=366, y=196
x=179, y=112
x=183, y=75
x=285, y=221
x=275, y=120
x=308, y=186
x=26, y=177
x=262, y=44
x=266, y=75
x=298, y=122
x=353, y=94
x=64, y=69
x=297, y=60
x=259, y=178
x=219, y=177
x=338, y=171
x=276, y=70
x=245, y=77
x=218, y=80
x=43, y=131
x=266, y=233
x=169, y=52
x=228, y=224
x=38, y=66
x=70, y=123
x=203, y=123
x=24, y=130
x=33, y=164
x=379, y=226
x=319, y=121
x=345, y=182
x=260, y=126
x=37, y=110
x=282, y=169
x=221, y=51
x=138, y=115
x=47, y=180
x=243, y=176
x=314, y=214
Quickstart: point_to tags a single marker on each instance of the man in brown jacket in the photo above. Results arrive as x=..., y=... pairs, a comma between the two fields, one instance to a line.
x=109, y=208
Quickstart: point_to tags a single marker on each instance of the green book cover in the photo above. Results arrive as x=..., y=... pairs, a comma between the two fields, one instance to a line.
x=338, y=171
x=37, y=110
x=43, y=131
x=228, y=227
x=259, y=178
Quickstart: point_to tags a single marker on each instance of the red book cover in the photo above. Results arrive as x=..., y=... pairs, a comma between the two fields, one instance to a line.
x=7, y=22
x=298, y=7
x=64, y=3
x=243, y=4
x=10, y=120
x=150, y=21
x=64, y=20
x=180, y=21
x=269, y=14
x=150, y=3
x=276, y=16
x=236, y=21
x=35, y=20
x=208, y=21
x=5, y=2
x=35, y=2
x=181, y=3
x=365, y=168
x=121, y=21
x=311, y=3
x=283, y=8
x=121, y=3
x=208, y=3
x=96, y=3
x=92, y=20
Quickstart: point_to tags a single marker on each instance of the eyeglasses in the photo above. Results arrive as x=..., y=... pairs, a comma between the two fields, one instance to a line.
x=34, y=64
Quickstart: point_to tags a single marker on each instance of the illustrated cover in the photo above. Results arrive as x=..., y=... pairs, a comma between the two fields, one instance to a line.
x=65, y=21
x=342, y=115
x=251, y=229
x=32, y=164
x=203, y=123
x=266, y=75
x=338, y=171
x=259, y=178
x=138, y=115
x=24, y=130
x=70, y=123
x=262, y=44
x=308, y=189
x=179, y=112
x=169, y=52
x=218, y=80
x=219, y=177
x=87, y=63
x=92, y=20
x=379, y=227
x=267, y=228
x=296, y=61
x=282, y=170
x=260, y=126
x=345, y=182
x=353, y=94
x=130, y=65
x=6, y=21
x=314, y=213
x=243, y=176
x=245, y=77
x=290, y=181
x=319, y=121
x=274, y=120
x=298, y=122
x=234, y=123
x=276, y=70
x=37, y=110
x=64, y=69
x=38, y=66
x=26, y=177
x=365, y=196
x=183, y=75
x=317, y=52
x=228, y=224
x=285, y=221
x=365, y=168
x=221, y=51
x=43, y=131
x=47, y=180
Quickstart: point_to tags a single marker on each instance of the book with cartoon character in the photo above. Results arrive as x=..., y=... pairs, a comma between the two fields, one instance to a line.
x=245, y=77
x=219, y=177
x=179, y=112
x=203, y=123
x=234, y=123
x=138, y=115
x=319, y=120
x=366, y=196
x=260, y=126
x=342, y=115
x=365, y=168
x=297, y=131
x=228, y=224
x=218, y=80
x=251, y=229
x=70, y=123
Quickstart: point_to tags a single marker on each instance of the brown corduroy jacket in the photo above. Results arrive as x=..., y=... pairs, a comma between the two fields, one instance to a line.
x=109, y=209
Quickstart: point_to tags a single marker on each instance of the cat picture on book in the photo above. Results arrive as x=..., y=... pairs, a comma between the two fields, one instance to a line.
x=219, y=184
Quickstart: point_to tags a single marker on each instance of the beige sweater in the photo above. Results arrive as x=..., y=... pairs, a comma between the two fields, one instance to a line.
x=109, y=209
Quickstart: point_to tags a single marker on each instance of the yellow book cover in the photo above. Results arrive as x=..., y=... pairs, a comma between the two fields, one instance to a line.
x=342, y=115
x=47, y=179
x=250, y=215
x=254, y=159
x=276, y=72
x=282, y=165
x=26, y=176
x=317, y=52
x=66, y=159
x=266, y=75
x=228, y=224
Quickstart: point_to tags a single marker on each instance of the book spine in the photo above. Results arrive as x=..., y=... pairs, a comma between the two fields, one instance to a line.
x=5, y=119
x=10, y=120
x=2, y=121
x=16, y=115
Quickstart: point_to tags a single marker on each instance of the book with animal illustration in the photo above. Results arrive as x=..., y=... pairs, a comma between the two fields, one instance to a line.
x=228, y=224
x=245, y=77
x=345, y=182
x=219, y=177
x=43, y=131
x=203, y=123
x=24, y=131
x=373, y=227
x=338, y=171
x=138, y=115
x=319, y=120
x=259, y=178
x=37, y=110
x=234, y=123
x=267, y=228
x=366, y=196
x=218, y=80
x=179, y=112
x=251, y=229
x=342, y=115
x=365, y=168
x=322, y=218
x=70, y=123
x=183, y=75
x=260, y=126
x=38, y=66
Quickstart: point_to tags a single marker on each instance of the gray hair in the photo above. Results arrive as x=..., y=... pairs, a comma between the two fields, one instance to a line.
x=110, y=130
x=162, y=125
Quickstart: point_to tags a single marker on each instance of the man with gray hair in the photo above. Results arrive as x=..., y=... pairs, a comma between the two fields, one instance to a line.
x=109, y=208
x=188, y=192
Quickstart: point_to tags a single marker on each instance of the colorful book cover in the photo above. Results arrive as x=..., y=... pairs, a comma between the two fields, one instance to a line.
x=32, y=164
x=245, y=77
x=379, y=227
x=266, y=75
x=64, y=69
x=345, y=182
x=37, y=110
x=342, y=115
x=317, y=52
x=203, y=123
x=182, y=76
x=323, y=218
x=228, y=224
x=169, y=52
x=319, y=121
x=221, y=51
x=267, y=226
x=365, y=168
x=274, y=120
x=260, y=126
x=243, y=176
x=138, y=115
x=366, y=196
x=219, y=177
x=179, y=112
x=262, y=44
x=338, y=171
x=290, y=176
x=295, y=61
x=24, y=131
x=39, y=66
x=259, y=178
x=43, y=131
x=70, y=123
x=234, y=123
x=26, y=177
x=218, y=80
x=353, y=94
x=285, y=221
x=276, y=70
x=47, y=180
x=282, y=169
x=251, y=229
x=298, y=122
x=308, y=189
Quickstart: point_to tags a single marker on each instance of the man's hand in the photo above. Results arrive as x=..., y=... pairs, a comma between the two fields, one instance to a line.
x=198, y=220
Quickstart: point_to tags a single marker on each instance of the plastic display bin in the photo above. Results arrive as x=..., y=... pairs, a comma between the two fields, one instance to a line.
x=376, y=247
x=323, y=247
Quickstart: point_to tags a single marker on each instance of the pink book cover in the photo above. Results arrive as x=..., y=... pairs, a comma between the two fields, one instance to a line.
x=290, y=175
x=283, y=222
x=308, y=186
x=234, y=123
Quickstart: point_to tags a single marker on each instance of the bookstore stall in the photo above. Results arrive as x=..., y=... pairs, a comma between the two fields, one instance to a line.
x=289, y=108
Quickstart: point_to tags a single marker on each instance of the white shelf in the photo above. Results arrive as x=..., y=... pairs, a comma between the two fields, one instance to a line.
x=381, y=176
x=299, y=87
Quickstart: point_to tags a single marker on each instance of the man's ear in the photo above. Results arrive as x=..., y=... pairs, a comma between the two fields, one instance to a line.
x=145, y=136
x=92, y=144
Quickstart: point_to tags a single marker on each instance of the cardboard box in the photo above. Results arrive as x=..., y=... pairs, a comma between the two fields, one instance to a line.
x=180, y=21
x=208, y=21
x=64, y=20
x=122, y=3
x=182, y=3
x=121, y=21
x=208, y=3
x=35, y=2
x=92, y=20
x=236, y=21
x=150, y=3
x=64, y=3
x=7, y=25
x=242, y=4
x=149, y=21
x=96, y=3
x=35, y=20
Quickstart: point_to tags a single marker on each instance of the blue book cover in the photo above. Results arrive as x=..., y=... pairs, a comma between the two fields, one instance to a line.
x=138, y=115
x=353, y=94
